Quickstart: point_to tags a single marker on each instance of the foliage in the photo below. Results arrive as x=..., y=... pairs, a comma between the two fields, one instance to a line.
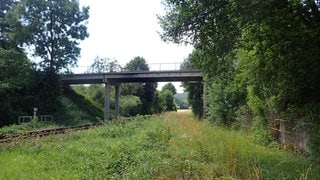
x=76, y=109
x=94, y=93
x=170, y=87
x=145, y=91
x=158, y=103
x=15, y=85
x=181, y=100
x=167, y=100
x=51, y=28
x=137, y=64
x=263, y=55
x=170, y=146
x=166, y=97
x=104, y=65
x=47, y=88
x=130, y=105
x=5, y=6
x=195, y=97
x=194, y=89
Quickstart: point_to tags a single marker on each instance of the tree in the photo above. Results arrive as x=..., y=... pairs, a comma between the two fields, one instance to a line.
x=5, y=6
x=167, y=95
x=167, y=100
x=181, y=100
x=194, y=89
x=256, y=55
x=146, y=91
x=51, y=28
x=170, y=87
x=137, y=64
x=130, y=105
x=15, y=85
x=104, y=65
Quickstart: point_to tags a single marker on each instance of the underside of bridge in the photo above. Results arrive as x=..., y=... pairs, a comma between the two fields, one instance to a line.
x=117, y=78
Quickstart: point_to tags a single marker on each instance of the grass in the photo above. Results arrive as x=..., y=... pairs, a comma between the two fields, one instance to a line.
x=28, y=126
x=169, y=146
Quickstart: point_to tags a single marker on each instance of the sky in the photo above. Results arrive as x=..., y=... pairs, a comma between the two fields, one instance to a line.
x=124, y=29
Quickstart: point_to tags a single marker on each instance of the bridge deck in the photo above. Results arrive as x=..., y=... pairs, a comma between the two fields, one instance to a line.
x=129, y=77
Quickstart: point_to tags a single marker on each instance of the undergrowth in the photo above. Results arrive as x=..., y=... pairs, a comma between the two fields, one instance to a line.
x=169, y=146
x=22, y=128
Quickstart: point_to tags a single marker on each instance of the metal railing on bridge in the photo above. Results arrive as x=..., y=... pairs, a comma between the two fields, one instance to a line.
x=172, y=66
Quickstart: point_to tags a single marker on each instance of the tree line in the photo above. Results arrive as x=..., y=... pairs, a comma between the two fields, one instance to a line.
x=261, y=59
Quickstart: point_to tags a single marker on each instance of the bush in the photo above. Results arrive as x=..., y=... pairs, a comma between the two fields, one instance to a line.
x=259, y=131
x=130, y=105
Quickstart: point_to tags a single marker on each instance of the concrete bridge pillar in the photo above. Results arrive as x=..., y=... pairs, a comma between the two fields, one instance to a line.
x=117, y=98
x=106, y=101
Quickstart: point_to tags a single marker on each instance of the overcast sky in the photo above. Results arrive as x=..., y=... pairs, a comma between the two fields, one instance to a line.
x=123, y=29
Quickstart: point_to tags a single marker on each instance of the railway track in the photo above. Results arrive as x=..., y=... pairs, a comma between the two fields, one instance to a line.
x=9, y=137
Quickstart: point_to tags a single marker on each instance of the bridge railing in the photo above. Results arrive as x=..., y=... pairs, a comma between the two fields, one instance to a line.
x=175, y=66
x=171, y=66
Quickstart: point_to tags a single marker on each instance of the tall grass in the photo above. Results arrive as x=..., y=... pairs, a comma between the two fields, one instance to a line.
x=200, y=150
x=132, y=150
x=170, y=146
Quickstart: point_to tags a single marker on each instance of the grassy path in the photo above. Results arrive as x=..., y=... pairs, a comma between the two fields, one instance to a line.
x=170, y=146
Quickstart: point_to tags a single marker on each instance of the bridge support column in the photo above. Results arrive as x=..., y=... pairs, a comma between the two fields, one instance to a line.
x=204, y=101
x=117, y=98
x=106, y=101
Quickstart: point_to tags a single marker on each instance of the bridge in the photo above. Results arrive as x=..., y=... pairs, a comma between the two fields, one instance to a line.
x=116, y=78
x=133, y=77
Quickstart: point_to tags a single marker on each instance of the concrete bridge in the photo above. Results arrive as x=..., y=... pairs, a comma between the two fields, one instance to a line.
x=116, y=78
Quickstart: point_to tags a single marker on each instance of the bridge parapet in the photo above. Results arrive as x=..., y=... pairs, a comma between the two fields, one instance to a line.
x=171, y=66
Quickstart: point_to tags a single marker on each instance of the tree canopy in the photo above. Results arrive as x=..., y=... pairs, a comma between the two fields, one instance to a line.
x=52, y=29
x=137, y=64
x=104, y=65
x=145, y=91
x=170, y=87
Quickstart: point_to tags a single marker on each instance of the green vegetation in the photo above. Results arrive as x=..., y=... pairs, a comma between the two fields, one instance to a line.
x=260, y=60
x=48, y=30
x=74, y=110
x=181, y=100
x=195, y=91
x=145, y=91
x=168, y=146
